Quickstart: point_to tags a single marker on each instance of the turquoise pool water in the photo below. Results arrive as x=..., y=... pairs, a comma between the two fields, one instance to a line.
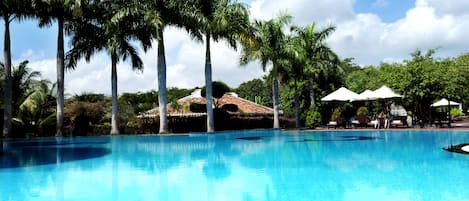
x=251, y=165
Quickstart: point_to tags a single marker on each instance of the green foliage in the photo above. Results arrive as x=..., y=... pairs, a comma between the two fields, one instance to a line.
x=313, y=117
x=89, y=97
x=140, y=101
x=176, y=106
x=455, y=112
x=420, y=80
x=125, y=113
x=256, y=90
x=218, y=89
x=287, y=102
x=174, y=94
x=36, y=107
x=24, y=82
x=49, y=120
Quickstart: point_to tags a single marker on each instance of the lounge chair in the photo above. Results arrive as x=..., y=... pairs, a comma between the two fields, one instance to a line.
x=375, y=123
x=399, y=122
x=360, y=121
x=334, y=124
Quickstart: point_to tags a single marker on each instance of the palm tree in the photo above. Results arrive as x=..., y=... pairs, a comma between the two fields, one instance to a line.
x=9, y=11
x=268, y=47
x=292, y=69
x=220, y=19
x=159, y=15
x=62, y=11
x=319, y=55
x=37, y=107
x=23, y=81
x=111, y=26
x=308, y=56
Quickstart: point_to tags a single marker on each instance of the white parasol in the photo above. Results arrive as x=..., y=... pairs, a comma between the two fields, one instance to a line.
x=341, y=94
x=444, y=103
x=385, y=93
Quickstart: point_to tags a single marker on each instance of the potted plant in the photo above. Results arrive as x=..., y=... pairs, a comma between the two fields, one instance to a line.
x=362, y=113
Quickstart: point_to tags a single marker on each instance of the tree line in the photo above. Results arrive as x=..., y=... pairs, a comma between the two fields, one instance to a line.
x=295, y=57
x=113, y=26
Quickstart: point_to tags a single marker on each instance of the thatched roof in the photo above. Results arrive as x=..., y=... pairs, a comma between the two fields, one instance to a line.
x=244, y=106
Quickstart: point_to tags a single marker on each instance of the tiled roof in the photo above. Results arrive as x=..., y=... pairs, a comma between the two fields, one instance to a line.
x=244, y=106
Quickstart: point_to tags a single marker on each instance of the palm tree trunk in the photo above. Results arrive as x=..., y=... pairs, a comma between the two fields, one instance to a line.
x=208, y=87
x=276, y=102
x=311, y=92
x=7, y=113
x=297, y=107
x=114, y=118
x=60, y=78
x=162, y=100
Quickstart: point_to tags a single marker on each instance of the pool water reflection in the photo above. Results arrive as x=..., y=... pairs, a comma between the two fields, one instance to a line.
x=252, y=165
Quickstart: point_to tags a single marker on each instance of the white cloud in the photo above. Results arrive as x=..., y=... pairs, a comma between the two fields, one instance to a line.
x=453, y=7
x=370, y=41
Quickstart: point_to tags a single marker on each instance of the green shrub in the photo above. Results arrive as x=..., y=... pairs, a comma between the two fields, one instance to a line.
x=455, y=112
x=313, y=117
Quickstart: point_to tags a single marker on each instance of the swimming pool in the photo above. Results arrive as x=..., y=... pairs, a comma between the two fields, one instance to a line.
x=246, y=165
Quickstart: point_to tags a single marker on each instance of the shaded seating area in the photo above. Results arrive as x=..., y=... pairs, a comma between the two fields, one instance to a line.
x=375, y=109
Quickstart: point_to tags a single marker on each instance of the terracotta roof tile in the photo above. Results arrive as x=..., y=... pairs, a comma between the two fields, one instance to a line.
x=244, y=106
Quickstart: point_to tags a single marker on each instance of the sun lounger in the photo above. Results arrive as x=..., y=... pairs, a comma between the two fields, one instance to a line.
x=375, y=123
x=336, y=123
x=398, y=122
x=332, y=124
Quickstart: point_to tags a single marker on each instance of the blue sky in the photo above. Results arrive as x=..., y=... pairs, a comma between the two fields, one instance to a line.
x=388, y=10
x=371, y=31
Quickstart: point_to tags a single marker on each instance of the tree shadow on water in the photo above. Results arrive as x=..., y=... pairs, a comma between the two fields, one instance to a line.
x=34, y=156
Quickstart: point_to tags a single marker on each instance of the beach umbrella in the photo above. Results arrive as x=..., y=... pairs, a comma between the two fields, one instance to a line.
x=341, y=94
x=444, y=103
x=385, y=93
x=365, y=96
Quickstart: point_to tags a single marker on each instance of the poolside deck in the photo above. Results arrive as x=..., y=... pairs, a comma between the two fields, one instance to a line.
x=456, y=125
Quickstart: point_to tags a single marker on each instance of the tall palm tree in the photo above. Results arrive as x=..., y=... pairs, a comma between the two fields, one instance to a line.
x=319, y=55
x=220, y=19
x=159, y=15
x=111, y=25
x=291, y=69
x=9, y=11
x=268, y=47
x=61, y=11
x=308, y=56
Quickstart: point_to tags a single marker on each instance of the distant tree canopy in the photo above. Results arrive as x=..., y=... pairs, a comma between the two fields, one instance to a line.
x=256, y=90
x=89, y=97
x=421, y=80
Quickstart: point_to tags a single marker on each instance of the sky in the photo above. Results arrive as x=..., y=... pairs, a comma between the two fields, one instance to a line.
x=370, y=31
